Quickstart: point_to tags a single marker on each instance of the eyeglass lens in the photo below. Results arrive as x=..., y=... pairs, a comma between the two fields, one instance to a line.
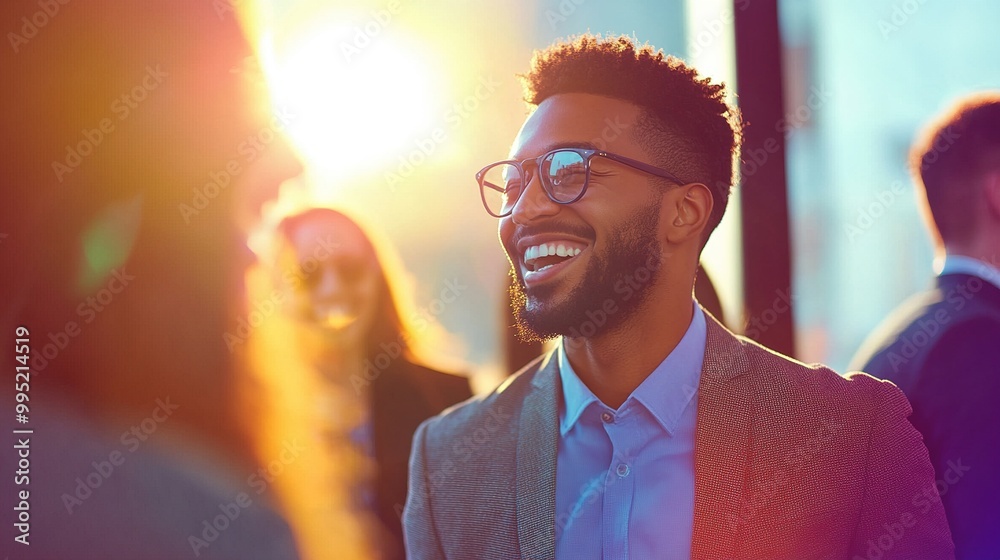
x=563, y=172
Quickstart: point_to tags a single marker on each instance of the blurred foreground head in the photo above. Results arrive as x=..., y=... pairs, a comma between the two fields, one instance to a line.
x=123, y=125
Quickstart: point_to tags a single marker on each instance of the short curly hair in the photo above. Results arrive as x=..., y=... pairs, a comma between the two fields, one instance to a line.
x=685, y=124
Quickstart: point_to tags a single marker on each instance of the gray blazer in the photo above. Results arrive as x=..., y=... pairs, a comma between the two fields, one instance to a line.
x=791, y=461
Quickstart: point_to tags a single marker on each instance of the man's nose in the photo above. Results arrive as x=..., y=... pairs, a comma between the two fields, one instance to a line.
x=533, y=203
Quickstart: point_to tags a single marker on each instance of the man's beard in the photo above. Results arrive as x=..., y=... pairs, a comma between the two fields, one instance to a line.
x=614, y=280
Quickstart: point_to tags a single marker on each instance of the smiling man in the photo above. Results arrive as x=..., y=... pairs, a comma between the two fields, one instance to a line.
x=652, y=431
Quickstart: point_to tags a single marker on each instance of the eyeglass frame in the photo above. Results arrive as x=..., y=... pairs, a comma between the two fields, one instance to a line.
x=586, y=153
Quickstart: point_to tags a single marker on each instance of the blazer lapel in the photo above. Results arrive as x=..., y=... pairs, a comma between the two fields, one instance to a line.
x=722, y=439
x=537, y=445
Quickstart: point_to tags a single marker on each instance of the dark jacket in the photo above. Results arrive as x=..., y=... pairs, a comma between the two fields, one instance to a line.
x=942, y=348
x=403, y=396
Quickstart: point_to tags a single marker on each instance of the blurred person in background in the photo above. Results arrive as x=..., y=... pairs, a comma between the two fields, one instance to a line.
x=706, y=294
x=122, y=259
x=942, y=347
x=651, y=431
x=353, y=375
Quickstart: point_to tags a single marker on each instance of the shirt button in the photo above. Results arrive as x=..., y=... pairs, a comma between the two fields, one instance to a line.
x=622, y=470
x=607, y=417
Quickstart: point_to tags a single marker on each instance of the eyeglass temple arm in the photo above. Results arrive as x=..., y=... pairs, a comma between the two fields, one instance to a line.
x=642, y=166
x=494, y=187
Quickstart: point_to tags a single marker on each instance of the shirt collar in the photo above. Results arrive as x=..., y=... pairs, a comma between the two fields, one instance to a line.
x=666, y=392
x=960, y=264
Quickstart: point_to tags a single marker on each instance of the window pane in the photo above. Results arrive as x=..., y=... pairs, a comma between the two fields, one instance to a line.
x=861, y=78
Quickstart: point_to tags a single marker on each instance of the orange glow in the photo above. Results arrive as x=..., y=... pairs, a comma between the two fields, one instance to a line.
x=359, y=93
x=389, y=116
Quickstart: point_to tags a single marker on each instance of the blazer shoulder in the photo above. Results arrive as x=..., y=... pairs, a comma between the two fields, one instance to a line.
x=816, y=384
x=900, y=344
x=896, y=325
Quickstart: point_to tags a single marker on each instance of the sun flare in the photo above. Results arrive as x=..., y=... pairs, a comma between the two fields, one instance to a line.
x=359, y=94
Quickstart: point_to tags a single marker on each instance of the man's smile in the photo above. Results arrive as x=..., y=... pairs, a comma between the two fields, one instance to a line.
x=543, y=258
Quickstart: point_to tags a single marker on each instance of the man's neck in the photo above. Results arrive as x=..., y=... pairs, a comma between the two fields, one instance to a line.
x=612, y=364
x=984, y=248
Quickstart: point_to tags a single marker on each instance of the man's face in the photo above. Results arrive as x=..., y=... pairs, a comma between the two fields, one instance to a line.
x=612, y=234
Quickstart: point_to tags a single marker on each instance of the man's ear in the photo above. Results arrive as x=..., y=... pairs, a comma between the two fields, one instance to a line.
x=686, y=212
x=991, y=192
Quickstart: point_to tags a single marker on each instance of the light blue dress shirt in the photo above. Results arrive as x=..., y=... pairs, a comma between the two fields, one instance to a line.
x=625, y=478
x=959, y=264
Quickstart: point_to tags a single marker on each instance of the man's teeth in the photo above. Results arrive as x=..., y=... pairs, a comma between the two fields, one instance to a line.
x=548, y=250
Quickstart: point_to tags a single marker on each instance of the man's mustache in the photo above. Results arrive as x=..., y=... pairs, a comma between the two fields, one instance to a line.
x=575, y=230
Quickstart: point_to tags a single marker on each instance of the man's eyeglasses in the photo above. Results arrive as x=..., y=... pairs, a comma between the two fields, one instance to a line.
x=564, y=174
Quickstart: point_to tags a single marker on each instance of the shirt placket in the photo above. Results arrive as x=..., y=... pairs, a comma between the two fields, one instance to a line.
x=619, y=482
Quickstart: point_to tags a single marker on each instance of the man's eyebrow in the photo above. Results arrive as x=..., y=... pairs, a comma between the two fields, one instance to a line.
x=558, y=145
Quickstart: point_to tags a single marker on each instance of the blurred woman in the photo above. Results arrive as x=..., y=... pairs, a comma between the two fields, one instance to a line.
x=116, y=116
x=365, y=388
